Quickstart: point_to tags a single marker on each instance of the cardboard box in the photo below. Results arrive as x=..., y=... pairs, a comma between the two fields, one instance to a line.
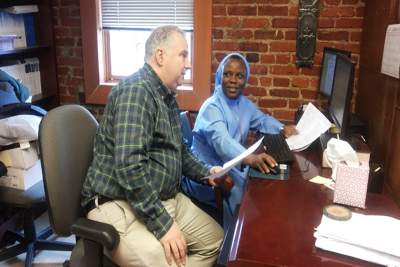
x=23, y=157
x=22, y=179
x=351, y=184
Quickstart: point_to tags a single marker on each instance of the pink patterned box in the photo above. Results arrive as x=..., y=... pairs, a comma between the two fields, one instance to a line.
x=351, y=184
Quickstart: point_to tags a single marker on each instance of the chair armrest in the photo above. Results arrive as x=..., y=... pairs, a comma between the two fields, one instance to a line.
x=102, y=233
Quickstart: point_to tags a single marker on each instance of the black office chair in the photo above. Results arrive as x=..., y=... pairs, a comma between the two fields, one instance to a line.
x=66, y=137
x=219, y=191
x=28, y=204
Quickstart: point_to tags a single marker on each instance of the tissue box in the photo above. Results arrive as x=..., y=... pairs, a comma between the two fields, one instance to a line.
x=351, y=184
x=23, y=157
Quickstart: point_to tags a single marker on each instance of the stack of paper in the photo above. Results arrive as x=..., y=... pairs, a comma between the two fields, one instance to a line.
x=369, y=237
x=310, y=126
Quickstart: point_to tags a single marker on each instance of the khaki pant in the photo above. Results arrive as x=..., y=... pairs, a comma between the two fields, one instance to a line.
x=139, y=247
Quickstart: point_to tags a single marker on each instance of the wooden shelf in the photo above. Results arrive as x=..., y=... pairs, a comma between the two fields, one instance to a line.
x=8, y=3
x=23, y=52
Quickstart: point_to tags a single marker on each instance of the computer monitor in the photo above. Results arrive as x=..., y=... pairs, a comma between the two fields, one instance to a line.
x=328, y=69
x=339, y=104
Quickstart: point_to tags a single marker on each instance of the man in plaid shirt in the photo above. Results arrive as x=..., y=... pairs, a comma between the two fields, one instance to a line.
x=139, y=158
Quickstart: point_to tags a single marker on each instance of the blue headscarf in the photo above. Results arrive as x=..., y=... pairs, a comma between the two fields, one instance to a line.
x=220, y=73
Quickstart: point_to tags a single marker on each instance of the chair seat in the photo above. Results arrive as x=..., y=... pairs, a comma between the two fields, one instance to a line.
x=23, y=198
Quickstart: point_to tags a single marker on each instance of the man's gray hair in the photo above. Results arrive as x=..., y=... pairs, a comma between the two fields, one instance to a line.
x=159, y=37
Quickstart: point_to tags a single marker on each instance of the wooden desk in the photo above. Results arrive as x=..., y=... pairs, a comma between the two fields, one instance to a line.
x=276, y=221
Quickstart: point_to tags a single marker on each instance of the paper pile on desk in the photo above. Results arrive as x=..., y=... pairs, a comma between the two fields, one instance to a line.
x=369, y=237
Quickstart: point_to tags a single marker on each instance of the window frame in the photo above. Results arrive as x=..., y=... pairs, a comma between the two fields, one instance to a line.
x=96, y=85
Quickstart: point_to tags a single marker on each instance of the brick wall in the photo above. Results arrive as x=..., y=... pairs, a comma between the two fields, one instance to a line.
x=263, y=30
x=67, y=30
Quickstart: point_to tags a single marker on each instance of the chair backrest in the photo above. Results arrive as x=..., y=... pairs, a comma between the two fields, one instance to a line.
x=187, y=126
x=66, y=138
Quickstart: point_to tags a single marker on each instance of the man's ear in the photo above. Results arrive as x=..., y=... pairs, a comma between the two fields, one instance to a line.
x=159, y=57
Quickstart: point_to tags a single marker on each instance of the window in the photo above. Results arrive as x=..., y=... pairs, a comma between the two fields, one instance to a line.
x=101, y=42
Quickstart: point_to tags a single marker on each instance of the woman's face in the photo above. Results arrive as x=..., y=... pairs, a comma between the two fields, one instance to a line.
x=234, y=78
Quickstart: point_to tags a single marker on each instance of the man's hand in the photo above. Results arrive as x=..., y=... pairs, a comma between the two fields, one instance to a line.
x=263, y=162
x=174, y=244
x=225, y=182
x=289, y=130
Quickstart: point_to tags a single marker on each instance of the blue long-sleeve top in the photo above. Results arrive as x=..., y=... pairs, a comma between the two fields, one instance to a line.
x=223, y=124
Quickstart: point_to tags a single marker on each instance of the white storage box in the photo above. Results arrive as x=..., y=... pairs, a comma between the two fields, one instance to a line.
x=23, y=157
x=22, y=179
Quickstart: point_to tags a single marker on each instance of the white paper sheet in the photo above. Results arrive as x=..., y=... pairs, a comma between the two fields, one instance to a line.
x=233, y=162
x=369, y=237
x=310, y=126
x=391, y=52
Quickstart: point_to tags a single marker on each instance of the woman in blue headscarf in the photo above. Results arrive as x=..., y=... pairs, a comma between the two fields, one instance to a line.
x=221, y=130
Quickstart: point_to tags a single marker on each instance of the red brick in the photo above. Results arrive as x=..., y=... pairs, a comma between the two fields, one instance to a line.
x=255, y=91
x=284, y=93
x=252, y=81
x=293, y=11
x=64, y=70
x=232, y=1
x=309, y=94
x=68, y=21
x=282, y=59
x=294, y=104
x=268, y=35
x=290, y=35
x=284, y=70
x=274, y=2
x=283, y=46
x=68, y=61
x=273, y=11
x=242, y=10
x=253, y=57
x=314, y=71
x=218, y=10
x=225, y=22
x=265, y=81
x=253, y=47
x=267, y=59
x=333, y=36
x=314, y=83
x=325, y=23
x=78, y=72
x=300, y=82
x=239, y=34
x=349, y=23
x=272, y=103
x=259, y=69
x=332, y=2
x=349, y=2
x=222, y=45
x=338, y=12
x=284, y=23
x=217, y=34
x=254, y=23
x=281, y=82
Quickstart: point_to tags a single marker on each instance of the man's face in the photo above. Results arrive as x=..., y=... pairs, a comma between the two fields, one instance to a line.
x=175, y=61
x=234, y=78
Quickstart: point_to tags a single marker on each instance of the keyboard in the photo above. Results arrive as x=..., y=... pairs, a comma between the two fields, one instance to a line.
x=276, y=146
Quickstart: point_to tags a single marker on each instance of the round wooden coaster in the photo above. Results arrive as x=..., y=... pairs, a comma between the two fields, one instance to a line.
x=337, y=212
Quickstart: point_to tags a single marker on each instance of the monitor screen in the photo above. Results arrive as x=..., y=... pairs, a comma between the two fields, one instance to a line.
x=339, y=104
x=328, y=69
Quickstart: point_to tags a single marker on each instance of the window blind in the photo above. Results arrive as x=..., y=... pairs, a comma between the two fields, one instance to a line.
x=145, y=14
